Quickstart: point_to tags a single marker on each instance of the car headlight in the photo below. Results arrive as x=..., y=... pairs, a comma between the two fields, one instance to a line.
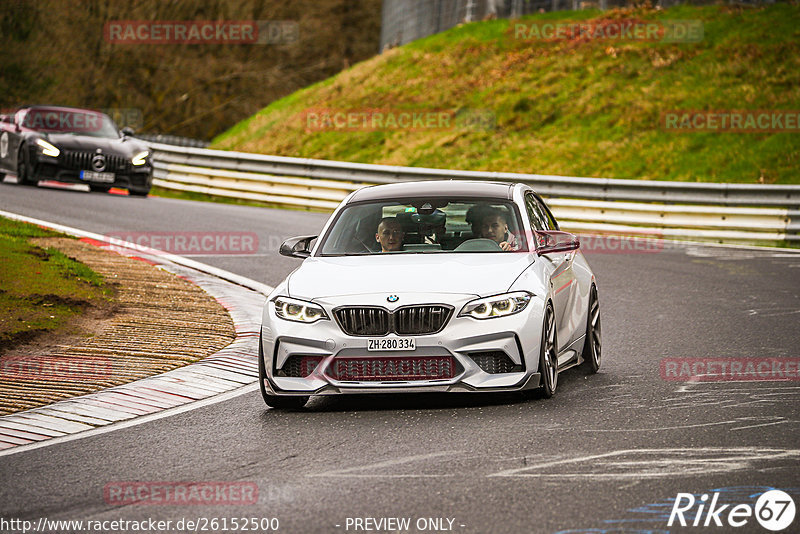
x=140, y=158
x=298, y=310
x=47, y=148
x=496, y=306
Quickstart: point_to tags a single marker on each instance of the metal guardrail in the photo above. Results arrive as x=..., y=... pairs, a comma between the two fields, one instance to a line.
x=711, y=211
x=167, y=139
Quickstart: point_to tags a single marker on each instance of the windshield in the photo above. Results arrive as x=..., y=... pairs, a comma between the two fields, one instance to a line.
x=67, y=121
x=425, y=225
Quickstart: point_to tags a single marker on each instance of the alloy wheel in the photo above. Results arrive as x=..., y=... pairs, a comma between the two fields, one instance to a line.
x=549, y=357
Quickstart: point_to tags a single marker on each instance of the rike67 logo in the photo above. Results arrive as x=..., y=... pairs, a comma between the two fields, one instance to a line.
x=774, y=510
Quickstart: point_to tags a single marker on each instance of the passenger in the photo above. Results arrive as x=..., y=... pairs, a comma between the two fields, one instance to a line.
x=475, y=217
x=390, y=235
x=495, y=227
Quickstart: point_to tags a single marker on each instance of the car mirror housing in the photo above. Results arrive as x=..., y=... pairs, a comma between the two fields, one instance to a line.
x=297, y=247
x=127, y=131
x=550, y=241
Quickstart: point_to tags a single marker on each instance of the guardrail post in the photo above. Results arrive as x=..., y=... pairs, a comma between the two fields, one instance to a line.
x=793, y=226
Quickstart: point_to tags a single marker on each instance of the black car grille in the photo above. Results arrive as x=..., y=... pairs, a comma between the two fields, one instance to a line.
x=82, y=161
x=363, y=321
x=420, y=319
x=495, y=362
x=408, y=320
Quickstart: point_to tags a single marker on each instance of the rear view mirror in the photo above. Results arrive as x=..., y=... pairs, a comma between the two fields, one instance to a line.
x=550, y=241
x=297, y=247
x=127, y=131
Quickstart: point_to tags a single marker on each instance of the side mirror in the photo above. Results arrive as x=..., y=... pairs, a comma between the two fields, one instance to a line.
x=297, y=247
x=127, y=131
x=550, y=241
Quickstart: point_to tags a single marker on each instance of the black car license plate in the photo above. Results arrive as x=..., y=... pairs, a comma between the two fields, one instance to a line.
x=100, y=177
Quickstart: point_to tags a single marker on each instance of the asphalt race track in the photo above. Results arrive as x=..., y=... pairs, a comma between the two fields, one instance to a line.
x=609, y=453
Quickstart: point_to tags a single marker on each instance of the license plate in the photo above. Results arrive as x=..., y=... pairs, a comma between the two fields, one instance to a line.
x=393, y=369
x=92, y=176
x=391, y=343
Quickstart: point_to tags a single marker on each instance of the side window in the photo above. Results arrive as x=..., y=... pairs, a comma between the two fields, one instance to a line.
x=537, y=220
x=550, y=221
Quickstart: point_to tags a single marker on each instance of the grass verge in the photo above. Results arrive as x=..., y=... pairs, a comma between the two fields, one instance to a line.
x=570, y=107
x=40, y=289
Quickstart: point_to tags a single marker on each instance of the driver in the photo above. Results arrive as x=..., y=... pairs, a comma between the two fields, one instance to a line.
x=390, y=235
x=495, y=227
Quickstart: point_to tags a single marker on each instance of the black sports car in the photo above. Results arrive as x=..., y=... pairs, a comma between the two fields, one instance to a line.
x=75, y=146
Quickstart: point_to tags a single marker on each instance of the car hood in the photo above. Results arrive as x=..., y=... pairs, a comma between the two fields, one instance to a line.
x=476, y=274
x=121, y=146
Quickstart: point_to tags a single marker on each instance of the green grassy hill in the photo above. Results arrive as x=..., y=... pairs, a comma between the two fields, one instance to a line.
x=569, y=107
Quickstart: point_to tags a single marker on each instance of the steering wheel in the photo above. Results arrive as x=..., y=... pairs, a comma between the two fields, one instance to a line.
x=359, y=243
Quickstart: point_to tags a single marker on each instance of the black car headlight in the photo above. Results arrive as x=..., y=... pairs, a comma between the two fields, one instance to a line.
x=140, y=158
x=496, y=306
x=299, y=311
x=47, y=148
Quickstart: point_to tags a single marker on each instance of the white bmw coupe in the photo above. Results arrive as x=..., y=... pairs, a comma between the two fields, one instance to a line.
x=445, y=286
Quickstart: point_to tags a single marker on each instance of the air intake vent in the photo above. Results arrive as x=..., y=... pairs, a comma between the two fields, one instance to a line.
x=299, y=366
x=495, y=362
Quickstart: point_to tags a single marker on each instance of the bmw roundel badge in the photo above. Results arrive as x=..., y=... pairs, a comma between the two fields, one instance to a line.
x=392, y=298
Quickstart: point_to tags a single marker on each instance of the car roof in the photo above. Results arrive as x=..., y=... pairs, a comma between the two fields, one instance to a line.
x=465, y=188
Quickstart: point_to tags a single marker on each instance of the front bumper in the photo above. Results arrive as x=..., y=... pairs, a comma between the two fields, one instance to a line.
x=128, y=176
x=517, y=336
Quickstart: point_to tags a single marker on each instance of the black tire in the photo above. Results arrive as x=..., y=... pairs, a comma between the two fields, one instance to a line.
x=273, y=401
x=138, y=193
x=548, y=355
x=592, y=347
x=24, y=169
x=99, y=188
